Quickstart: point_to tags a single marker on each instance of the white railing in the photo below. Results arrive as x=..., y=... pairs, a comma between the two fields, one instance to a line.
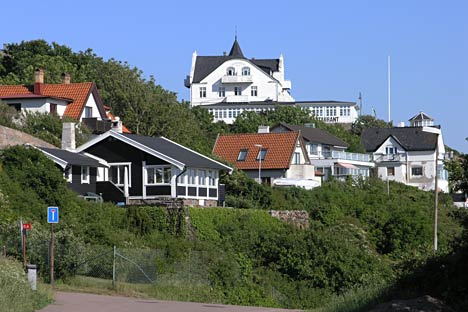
x=390, y=157
x=347, y=156
x=236, y=79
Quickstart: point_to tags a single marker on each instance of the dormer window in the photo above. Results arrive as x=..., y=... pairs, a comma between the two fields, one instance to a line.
x=231, y=71
x=245, y=71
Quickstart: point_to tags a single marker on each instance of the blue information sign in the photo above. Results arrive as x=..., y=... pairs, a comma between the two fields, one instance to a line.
x=52, y=214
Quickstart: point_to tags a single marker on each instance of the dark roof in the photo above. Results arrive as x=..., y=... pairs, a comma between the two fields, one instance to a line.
x=421, y=116
x=236, y=50
x=176, y=151
x=71, y=158
x=315, y=135
x=410, y=138
x=267, y=65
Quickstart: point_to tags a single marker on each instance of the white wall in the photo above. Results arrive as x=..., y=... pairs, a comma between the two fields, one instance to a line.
x=41, y=105
x=268, y=88
x=91, y=103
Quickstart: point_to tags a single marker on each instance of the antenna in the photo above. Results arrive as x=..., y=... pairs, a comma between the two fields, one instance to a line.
x=236, y=32
x=388, y=77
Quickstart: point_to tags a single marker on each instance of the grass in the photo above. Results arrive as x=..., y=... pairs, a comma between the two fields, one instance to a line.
x=15, y=292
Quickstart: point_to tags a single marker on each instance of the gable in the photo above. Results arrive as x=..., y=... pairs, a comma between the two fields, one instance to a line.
x=410, y=138
x=389, y=142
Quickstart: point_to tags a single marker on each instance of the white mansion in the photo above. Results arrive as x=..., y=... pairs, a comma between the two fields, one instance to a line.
x=229, y=85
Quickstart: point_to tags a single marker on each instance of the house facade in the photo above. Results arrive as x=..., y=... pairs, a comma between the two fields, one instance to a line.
x=78, y=101
x=328, y=153
x=272, y=158
x=231, y=84
x=141, y=169
x=409, y=155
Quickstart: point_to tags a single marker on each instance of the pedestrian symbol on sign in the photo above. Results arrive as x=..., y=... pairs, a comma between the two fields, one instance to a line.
x=52, y=214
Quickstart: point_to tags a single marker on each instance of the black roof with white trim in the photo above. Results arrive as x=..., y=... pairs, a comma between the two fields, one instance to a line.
x=69, y=158
x=316, y=135
x=410, y=138
x=176, y=151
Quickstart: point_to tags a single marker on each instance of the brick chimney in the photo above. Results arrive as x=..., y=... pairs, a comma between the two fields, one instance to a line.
x=66, y=78
x=39, y=81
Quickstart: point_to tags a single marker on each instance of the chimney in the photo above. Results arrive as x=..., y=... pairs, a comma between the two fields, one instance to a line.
x=66, y=78
x=68, y=136
x=117, y=125
x=39, y=81
x=224, y=53
x=401, y=124
x=263, y=129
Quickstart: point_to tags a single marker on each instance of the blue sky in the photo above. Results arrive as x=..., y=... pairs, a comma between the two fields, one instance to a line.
x=333, y=49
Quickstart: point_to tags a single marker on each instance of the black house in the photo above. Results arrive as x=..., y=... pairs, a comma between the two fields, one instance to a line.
x=141, y=169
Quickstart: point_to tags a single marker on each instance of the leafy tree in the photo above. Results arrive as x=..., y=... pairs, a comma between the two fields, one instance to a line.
x=458, y=173
x=369, y=121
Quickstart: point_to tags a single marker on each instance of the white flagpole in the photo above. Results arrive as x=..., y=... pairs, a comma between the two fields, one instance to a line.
x=388, y=78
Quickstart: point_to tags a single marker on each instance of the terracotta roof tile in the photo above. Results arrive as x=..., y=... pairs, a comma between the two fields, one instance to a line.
x=78, y=92
x=280, y=147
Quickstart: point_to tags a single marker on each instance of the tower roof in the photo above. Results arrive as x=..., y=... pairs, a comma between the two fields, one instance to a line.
x=236, y=50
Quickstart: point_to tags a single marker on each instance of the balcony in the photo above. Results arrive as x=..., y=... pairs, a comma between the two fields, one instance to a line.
x=236, y=79
x=390, y=158
x=347, y=156
x=237, y=99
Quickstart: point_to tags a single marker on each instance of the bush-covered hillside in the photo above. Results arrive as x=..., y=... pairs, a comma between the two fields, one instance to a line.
x=358, y=236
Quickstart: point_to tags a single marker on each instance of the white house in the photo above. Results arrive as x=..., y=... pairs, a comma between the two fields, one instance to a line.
x=328, y=153
x=231, y=84
x=408, y=155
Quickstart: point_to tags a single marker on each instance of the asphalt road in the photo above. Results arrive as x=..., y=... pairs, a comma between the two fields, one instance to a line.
x=78, y=302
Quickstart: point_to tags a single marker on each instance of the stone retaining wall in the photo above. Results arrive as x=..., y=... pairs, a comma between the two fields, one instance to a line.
x=300, y=218
x=11, y=137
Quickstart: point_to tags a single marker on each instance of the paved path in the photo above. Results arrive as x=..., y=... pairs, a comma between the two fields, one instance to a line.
x=78, y=302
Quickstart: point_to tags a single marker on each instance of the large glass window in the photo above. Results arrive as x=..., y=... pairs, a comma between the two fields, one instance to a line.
x=296, y=158
x=88, y=112
x=211, y=178
x=201, y=177
x=314, y=149
x=158, y=175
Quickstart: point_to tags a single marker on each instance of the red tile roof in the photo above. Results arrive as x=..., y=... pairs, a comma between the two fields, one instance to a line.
x=78, y=92
x=280, y=148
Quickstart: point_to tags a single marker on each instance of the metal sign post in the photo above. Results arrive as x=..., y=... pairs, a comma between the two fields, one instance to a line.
x=52, y=217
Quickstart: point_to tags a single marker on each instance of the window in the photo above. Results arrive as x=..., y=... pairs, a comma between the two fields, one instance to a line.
x=231, y=71
x=53, y=109
x=117, y=173
x=390, y=171
x=242, y=155
x=201, y=177
x=237, y=91
x=16, y=106
x=296, y=158
x=68, y=174
x=314, y=149
x=262, y=154
x=88, y=112
x=203, y=92
x=253, y=91
x=417, y=171
x=191, y=176
x=84, y=174
x=221, y=91
x=245, y=71
x=158, y=175
x=390, y=150
x=211, y=178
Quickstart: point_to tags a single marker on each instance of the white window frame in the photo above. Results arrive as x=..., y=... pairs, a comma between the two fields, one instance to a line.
x=129, y=164
x=231, y=71
x=164, y=169
x=245, y=71
x=391, y=150
x=85, y=179
x=201, y=175
x=221, y=91
x=68, y=175
x=313, y=149
x=417, y=175
x=296, y=158
x=237, y=91
x=253, y=91
x=202, y=92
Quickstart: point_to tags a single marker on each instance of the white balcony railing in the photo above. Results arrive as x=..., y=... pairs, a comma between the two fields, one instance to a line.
x=237, y=98
x=390, y=158
x=347, y=156
x=236, y=79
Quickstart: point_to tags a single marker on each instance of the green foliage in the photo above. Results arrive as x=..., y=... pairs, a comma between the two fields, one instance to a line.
x=368, y=121
x=458, y=173
x=15, y=292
